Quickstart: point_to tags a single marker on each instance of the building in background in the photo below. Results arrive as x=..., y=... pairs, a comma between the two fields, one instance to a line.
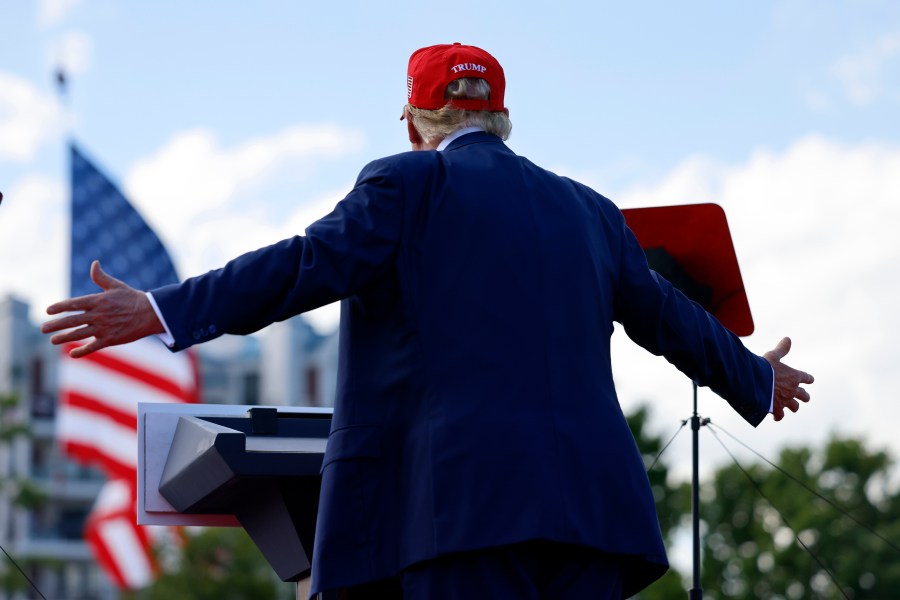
x=300, y=365
x=289, y=363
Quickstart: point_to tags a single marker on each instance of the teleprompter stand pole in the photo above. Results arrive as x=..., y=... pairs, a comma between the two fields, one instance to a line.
x=696, y=592
x=690, y=245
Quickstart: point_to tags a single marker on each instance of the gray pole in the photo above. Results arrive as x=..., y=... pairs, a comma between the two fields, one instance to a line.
x=696, y=592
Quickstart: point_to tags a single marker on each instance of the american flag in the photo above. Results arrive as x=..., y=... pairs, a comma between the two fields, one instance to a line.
x=118, y=544
x=97, y=418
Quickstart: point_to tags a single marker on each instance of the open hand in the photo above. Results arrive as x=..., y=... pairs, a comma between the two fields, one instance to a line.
x=787, y=381
x=118, y=315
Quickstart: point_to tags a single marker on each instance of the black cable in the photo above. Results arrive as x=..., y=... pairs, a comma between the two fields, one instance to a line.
x=672, y=439
x=816, y=493
x=27, y=578
x=772, y=504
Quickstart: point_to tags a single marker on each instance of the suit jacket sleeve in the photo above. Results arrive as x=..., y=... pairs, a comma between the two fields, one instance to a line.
x=664, y=321
x=339, y=254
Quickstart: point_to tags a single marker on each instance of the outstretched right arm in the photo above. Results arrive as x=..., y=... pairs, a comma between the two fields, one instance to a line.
x=119, y=314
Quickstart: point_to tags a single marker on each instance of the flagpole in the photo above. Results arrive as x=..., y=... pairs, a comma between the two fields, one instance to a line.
x=61, y=81
x=96, y=203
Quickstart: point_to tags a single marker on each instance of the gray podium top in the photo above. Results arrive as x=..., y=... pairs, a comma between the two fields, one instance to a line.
x=248, y=466
x=157, y=424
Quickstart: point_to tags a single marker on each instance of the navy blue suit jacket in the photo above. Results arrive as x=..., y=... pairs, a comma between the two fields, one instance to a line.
x=475, y=401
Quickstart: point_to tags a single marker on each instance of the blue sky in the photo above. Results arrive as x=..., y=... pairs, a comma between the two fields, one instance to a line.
x=590, y=83
x=233, y=124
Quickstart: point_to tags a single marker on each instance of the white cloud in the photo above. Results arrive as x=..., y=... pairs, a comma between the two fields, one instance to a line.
x=54, y=12
x=225, y=236
x=34, y=240
x=814, y=227
x=72, y=52
x=189, y=193
x=28, y=117
x=193, y=188
x=697, y=177
x=865, y=73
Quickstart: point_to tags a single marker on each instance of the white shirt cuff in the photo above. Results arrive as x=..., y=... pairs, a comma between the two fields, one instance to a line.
x=166, y=338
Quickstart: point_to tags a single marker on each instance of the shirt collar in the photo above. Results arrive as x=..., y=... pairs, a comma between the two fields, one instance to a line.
x=456, y=134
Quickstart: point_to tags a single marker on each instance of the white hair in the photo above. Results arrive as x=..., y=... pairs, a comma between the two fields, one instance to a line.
x=434, y=125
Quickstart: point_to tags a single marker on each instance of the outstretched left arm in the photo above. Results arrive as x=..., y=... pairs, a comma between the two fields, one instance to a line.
x=787, y=381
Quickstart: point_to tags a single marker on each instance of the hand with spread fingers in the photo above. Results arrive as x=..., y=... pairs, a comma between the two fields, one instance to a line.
x=117, y=315
x=787, y=381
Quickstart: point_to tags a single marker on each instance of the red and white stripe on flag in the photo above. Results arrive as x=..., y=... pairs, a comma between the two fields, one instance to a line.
x=99, y=394
x=97, y=424
x=121, y=546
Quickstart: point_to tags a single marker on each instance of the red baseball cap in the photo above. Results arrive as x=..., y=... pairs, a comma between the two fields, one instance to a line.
x=433, y=67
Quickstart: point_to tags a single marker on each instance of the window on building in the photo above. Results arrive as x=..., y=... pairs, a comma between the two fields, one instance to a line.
x=41, y=458
x=71, y=523
x=312, y=385
x=250, y=389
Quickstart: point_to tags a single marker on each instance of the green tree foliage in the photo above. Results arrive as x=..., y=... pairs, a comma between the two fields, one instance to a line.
x=219, y=563
x=22, y=491
x=756, y=516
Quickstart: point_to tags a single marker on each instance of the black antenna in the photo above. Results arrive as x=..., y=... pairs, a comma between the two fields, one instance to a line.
x=27, y=578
